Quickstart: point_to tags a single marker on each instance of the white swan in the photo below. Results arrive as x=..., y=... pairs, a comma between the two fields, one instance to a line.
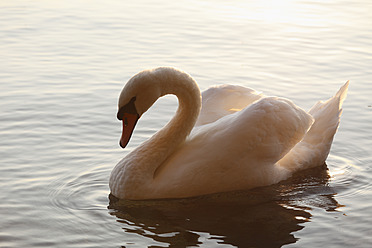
x=230, y=138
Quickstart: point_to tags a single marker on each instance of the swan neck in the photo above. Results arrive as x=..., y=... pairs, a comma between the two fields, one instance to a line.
x=162, y=144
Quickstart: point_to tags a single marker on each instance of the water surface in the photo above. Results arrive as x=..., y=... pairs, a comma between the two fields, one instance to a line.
x=63, y=65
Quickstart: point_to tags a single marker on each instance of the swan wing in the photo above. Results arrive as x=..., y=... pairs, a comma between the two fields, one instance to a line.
x=264, y=131
x=237, y=151
x=222, y=100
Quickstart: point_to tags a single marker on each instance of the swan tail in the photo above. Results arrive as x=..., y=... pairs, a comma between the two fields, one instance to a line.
x=313, y=150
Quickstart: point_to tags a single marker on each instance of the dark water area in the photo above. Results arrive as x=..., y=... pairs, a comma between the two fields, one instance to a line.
x=261, y=217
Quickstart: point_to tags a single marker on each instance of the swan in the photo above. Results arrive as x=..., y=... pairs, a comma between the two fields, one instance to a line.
x=227, y=138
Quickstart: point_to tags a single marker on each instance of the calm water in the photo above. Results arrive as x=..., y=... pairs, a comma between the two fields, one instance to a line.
x=63, y=64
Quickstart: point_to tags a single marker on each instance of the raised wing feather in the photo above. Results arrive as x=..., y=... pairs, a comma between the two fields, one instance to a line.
x=222, y=100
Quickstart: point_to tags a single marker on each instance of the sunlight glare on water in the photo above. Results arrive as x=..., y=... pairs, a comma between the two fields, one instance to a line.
x=64, y=63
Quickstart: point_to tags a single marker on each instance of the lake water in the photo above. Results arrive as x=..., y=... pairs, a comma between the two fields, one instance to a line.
x=64, y=63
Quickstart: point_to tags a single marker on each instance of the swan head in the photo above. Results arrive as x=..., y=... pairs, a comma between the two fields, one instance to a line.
x=137, y=96
x=144, y=88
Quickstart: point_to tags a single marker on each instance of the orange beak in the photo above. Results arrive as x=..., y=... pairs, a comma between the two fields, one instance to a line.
x=129, y=122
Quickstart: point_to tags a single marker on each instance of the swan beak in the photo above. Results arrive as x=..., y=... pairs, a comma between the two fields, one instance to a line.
x=129, y=122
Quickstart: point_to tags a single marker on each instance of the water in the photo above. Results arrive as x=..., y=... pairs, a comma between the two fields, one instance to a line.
x=63, y=65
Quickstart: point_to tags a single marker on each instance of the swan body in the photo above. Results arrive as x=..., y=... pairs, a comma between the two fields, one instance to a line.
x=227, y=138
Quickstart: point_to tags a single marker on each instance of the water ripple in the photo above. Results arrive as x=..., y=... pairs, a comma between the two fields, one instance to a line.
x=86, y=191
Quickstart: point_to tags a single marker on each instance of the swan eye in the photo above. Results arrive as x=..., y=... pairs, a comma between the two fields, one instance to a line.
x=129, y=108
x=125, y=121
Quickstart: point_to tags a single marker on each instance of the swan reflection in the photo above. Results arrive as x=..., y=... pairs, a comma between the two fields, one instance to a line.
x=261, y=217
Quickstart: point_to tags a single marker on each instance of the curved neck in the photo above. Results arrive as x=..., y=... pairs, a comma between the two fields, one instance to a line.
x=153, y=152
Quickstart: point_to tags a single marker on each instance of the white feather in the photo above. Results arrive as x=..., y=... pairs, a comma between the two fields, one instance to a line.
x=238, y=140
